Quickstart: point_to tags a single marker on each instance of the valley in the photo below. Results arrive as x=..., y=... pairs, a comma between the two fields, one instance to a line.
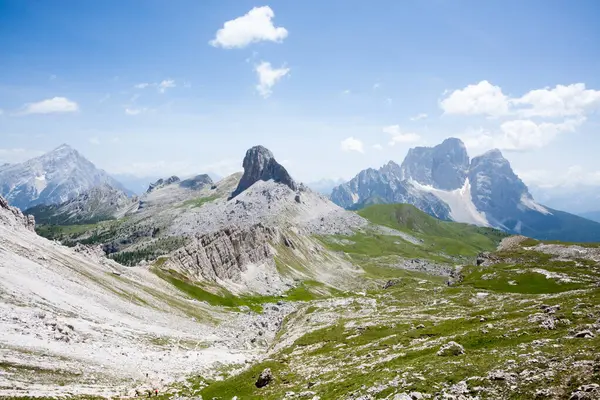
x=256, y=287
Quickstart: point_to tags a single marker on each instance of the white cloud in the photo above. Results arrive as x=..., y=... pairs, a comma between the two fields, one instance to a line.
x=400, y=137
x=255, y=26
x=53, y=105
x=562, y=101
x=526, y=134
x=376, y=86
x=347, y=91
x=166, y=84
x=94, y=141
x=482, y=98
x=573, y=176
x=135, y=111
x=418, y=117
x=388, y=101
x=160, y=86
x=268, y=77
x=352, y=144
x=519, y=135
x=377, y=146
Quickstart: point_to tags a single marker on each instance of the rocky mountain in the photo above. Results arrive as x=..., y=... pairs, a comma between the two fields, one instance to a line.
x=260, y=165
x=100, y=203
x=53, y=178
x=484, y=191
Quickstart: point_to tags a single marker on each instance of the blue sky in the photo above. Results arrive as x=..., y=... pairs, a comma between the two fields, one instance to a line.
x=150, y=88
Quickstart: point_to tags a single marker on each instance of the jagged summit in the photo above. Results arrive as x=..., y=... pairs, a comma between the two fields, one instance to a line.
x=443, y=166
x=260, y=165
x=52, y=178
x=443, y=182
x=162, y=182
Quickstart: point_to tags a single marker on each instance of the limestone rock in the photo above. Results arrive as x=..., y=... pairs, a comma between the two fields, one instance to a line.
x=265, y=378
x=12, y=216
x=451, y=349
x=260, y=165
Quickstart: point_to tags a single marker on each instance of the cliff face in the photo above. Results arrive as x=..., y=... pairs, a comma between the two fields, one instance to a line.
x=13, y=217
x=232, y=257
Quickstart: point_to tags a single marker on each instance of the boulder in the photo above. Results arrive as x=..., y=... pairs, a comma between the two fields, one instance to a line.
x=451, y=349
x=264, y=378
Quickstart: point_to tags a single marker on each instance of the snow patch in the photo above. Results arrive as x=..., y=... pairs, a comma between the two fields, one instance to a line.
x=355, y=198
x=528, y=202
x=462, y=208
x=40, y=183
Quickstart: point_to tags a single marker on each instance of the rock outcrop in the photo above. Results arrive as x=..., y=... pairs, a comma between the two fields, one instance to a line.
x=260, y=165
x=162, y=183
x=225, y=255
x=13, y=217
x=196, y=183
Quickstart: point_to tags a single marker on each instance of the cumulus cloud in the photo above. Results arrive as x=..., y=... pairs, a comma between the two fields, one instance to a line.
x=142, y=85
x=562, y=101
x=397, y=136
x=377, y=146
x=519, y=135
x=255, y=26
x=530, y=121
x=268, y=77
x=574, y=175
x=481, y=98
x=484, y=98
x=418, y=117
x=352, y=144
x=53, y=105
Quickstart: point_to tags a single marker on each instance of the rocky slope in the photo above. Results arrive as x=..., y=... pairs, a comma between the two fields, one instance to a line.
x=100, y=203
x=74, y=322
x=52, y=178
x=485, y=191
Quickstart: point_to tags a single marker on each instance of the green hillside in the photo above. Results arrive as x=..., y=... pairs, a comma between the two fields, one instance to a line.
x=407, y=218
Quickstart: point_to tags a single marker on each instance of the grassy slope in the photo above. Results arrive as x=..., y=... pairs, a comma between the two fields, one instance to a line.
x=361, y=349
x=441, y=240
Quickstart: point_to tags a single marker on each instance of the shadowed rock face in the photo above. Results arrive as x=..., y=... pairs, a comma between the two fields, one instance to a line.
x=260, y=165
x=444, y=166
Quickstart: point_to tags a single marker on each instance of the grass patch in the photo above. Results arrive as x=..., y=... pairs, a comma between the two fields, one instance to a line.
x=199, y=202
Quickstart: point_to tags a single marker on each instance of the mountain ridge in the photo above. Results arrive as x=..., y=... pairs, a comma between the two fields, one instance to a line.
x=52, y=178
x=484, y=190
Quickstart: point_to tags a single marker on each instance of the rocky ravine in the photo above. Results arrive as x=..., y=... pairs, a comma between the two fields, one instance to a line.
x=75, y=322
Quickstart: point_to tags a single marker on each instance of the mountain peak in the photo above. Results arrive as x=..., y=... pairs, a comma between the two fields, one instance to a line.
x=443, y=166
x=260, y=165
x=493, y=153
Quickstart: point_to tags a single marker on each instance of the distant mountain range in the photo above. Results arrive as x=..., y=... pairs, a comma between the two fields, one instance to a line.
x=53, y=178
x=445, y=183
